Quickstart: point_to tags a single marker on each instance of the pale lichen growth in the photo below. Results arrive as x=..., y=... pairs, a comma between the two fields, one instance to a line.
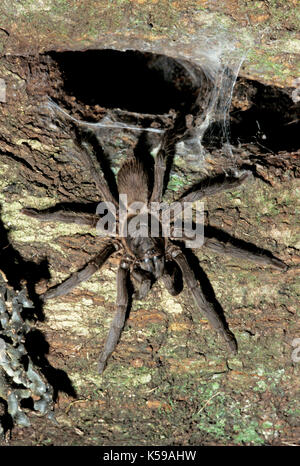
x=169, y=304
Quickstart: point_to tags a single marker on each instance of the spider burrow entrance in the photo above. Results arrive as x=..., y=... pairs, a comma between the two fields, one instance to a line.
x=118, y=91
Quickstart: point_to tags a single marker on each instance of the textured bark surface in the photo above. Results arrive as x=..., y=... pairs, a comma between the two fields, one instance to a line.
x=171, y=380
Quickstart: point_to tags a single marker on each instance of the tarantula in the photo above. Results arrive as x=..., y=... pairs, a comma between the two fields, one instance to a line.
x=144, y=257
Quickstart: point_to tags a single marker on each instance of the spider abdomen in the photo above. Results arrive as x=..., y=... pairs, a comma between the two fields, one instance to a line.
x=133, y=181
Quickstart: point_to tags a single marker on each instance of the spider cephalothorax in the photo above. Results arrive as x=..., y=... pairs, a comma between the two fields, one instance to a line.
x=144, y=256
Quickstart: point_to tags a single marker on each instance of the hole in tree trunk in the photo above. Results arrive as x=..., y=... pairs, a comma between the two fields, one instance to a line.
x=87, y=84
x=132, y=81
x=262, y=115
x=141, y=90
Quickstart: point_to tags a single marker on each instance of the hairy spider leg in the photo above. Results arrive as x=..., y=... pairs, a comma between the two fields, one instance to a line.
x=160, y=166
x=227, y=247
x=220, y=247
x=77, y=277
x=118, y=320
x=216, y=186
x=61, y=216
x=205, y=307
x=169, y=278
x=90, y=161
x=144, y=280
